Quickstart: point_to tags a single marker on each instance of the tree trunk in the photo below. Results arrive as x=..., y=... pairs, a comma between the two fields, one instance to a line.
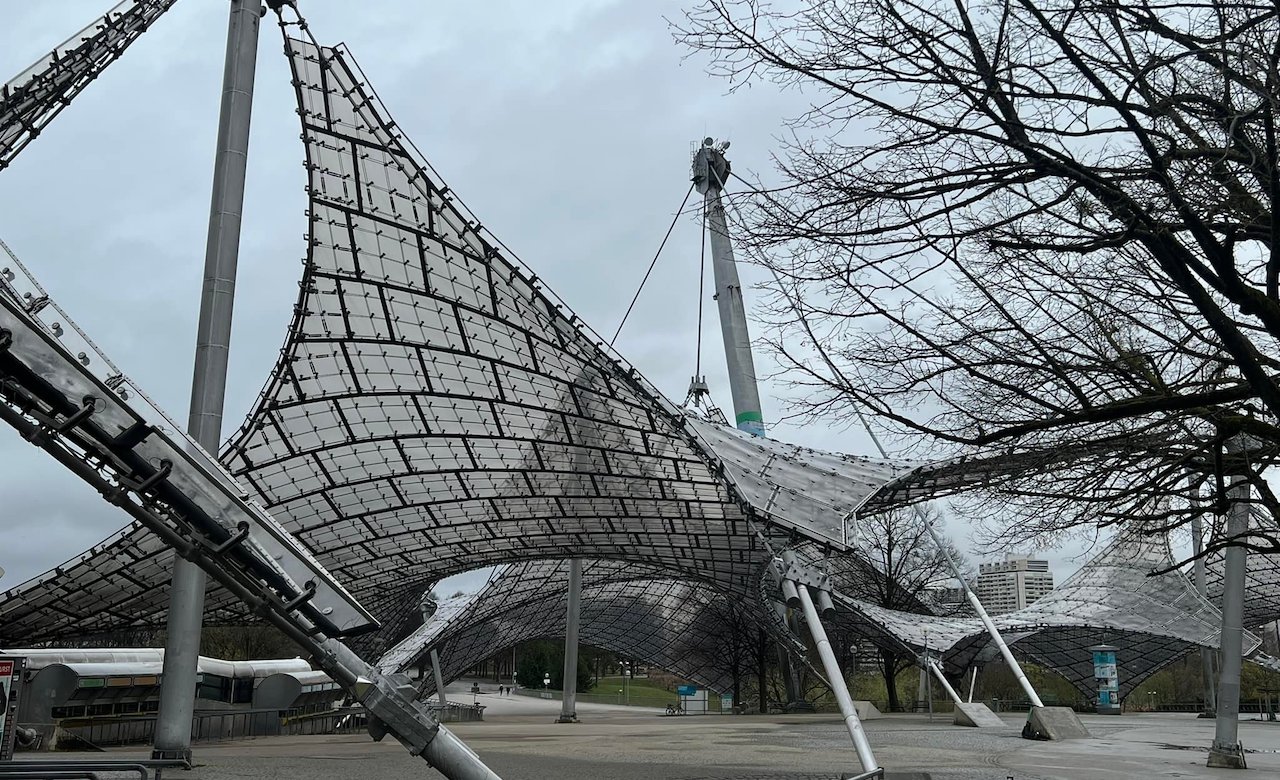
x=764, y=689
x=888, y=667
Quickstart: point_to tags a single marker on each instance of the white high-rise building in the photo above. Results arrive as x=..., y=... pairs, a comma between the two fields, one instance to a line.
x=1013, y=583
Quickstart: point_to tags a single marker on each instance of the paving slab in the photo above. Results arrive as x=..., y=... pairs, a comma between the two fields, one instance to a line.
x=617, y=744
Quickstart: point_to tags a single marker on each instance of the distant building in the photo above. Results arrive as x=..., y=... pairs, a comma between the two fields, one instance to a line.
x=1013, y=583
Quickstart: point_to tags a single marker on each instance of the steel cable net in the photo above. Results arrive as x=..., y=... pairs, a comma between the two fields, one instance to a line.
x=1112, y=599
x=435, y=410
x=634, y=610
x=1262, y=577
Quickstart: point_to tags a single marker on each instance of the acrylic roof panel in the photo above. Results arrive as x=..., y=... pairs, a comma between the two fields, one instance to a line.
x=118, y=585
x=811, y=490
x=1116, y=590
x=435, y=410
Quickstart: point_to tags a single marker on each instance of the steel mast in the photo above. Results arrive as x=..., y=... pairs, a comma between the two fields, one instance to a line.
x=209, y=381
x=710, y=170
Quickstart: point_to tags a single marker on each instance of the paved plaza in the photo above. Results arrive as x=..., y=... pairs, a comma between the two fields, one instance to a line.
x=519, y=741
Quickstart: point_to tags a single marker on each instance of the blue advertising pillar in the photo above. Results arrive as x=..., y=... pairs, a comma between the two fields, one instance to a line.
x=1108, y=680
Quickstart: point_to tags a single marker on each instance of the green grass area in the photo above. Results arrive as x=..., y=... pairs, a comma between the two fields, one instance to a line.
x=639, y=693
x=642, y=692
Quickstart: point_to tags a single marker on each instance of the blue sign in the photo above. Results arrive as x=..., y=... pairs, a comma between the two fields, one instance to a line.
x=687, y=690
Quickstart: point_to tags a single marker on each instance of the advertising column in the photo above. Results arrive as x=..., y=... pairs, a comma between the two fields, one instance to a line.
x=10, y=690
x=1108, y=680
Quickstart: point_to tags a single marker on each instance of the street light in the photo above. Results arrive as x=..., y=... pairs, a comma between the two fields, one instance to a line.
x=1151, y=700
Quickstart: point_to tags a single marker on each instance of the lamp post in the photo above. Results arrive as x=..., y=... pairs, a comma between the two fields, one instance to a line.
x=626, y=685
x=1151, y=700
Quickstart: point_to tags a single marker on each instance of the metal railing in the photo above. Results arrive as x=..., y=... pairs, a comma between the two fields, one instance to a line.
x=87, y=769
x=209, y=726
x=224, y=725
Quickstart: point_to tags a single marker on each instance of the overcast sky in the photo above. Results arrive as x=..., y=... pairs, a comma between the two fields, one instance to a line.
x=566, y=127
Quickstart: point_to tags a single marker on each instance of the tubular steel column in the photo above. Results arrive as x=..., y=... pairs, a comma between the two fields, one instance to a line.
x=568, y=699
x=838, y=687
x=946, y=684
x=439, y=675
x=1206, y=655
x=710, y=170
x=1005, y=653
x=762, y=682
x=186, y=599
x=1226, y=751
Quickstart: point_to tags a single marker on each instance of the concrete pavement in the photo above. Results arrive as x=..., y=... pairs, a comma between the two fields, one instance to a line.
x=521, y=742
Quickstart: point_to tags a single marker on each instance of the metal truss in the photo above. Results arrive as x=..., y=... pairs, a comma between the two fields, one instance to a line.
x=30, y=100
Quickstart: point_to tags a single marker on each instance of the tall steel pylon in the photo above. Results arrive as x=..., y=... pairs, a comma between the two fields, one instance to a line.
x=209, y=380
x=710, y=170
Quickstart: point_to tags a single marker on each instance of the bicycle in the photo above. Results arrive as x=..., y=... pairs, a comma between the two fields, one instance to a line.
x=675, y=709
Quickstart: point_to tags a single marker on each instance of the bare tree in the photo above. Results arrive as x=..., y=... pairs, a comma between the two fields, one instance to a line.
x=1058, y=237
x=734, y=647
x=910, y=571
x=246, y=643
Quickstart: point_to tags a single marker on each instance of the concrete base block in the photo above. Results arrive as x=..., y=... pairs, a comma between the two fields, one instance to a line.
x=1054, y=723
x=1226, y=757
x=977, y=715
x=866, y=710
